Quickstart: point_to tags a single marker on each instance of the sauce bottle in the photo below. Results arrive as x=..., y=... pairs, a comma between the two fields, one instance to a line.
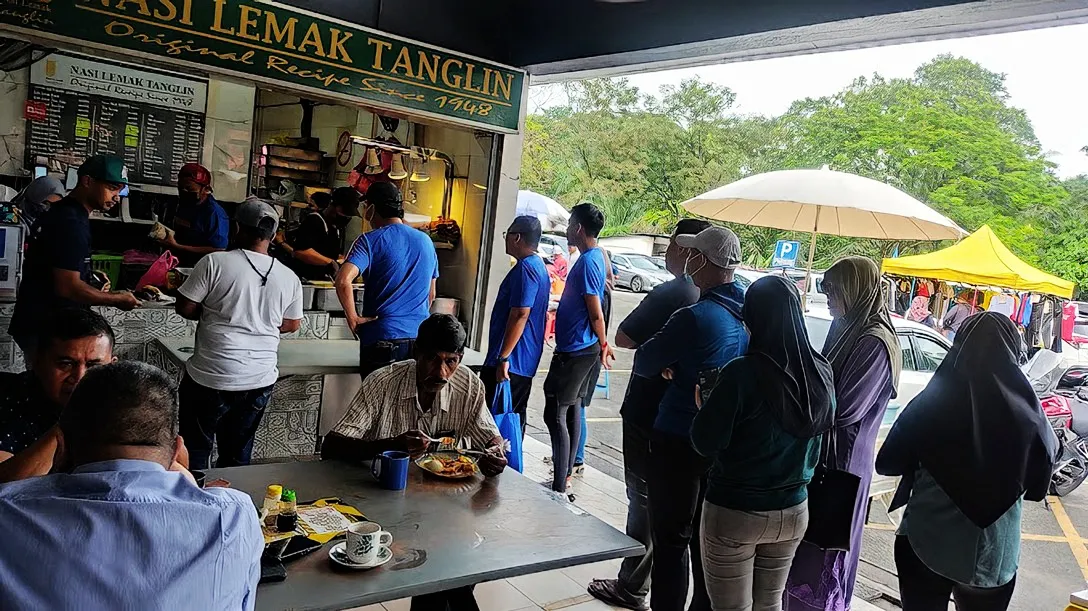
x=287, y=519
x=271, y=504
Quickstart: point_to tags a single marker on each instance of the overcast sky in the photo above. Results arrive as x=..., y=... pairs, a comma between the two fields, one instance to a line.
x=1044, y=75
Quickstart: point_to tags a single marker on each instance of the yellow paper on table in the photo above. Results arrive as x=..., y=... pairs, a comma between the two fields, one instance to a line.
x=319, y=521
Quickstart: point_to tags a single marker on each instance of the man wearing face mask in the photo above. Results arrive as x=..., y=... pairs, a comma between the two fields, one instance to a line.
x=316, y=246
x=696, y=342
x=201, y=226
x=638, y=411
x=400, y=266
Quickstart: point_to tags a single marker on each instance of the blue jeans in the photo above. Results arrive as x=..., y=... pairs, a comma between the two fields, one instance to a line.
x=373, y=357
x=580, y=456
x=227, y=418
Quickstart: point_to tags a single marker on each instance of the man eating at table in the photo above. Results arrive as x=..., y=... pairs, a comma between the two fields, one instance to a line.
x=408, y=405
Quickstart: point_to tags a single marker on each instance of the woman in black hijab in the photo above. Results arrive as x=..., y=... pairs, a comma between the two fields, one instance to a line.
x=762, y=425
x=971, y=447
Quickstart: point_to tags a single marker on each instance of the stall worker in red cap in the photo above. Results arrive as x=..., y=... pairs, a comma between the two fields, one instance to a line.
x=201, y=226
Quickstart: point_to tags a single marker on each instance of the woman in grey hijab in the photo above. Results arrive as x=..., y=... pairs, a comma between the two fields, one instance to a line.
x=865, y=357
x=36, y=197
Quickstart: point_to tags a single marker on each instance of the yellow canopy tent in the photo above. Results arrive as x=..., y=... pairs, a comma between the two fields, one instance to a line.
x=980, y=259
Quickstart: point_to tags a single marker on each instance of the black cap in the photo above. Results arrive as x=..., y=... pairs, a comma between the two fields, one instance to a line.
x=384, y=194
x=528, y=226
x=346, y=199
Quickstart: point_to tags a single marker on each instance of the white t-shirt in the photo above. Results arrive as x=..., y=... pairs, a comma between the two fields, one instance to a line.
x=239, y=330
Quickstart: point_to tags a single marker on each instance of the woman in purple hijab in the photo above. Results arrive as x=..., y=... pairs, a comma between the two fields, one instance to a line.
x=865, y=357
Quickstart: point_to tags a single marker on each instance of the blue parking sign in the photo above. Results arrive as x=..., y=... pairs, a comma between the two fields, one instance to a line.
x=785, y=253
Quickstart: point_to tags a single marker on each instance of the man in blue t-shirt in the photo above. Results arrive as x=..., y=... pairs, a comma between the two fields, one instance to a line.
x=516, y=336
x=400, y=266
x=695, y=344
x=201, y=225
x=580, y=341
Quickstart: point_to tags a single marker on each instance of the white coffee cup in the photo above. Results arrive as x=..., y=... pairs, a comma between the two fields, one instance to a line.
x=364, y=540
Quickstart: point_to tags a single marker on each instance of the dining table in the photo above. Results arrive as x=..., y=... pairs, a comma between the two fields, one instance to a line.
x=446, y=533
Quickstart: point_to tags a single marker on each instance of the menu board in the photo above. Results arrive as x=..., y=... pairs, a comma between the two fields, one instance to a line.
x=153, y=120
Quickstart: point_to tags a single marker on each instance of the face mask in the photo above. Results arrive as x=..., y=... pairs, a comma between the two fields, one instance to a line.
x=692, y=255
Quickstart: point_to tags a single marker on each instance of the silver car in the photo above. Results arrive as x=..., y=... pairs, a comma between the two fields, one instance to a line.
x=638, y=272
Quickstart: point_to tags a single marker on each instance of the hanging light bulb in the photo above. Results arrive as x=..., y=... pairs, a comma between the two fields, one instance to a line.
x=419, y=171
x=397, y=171
x=373, y=162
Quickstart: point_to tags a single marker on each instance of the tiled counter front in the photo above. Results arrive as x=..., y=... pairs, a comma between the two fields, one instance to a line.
x=289, y=426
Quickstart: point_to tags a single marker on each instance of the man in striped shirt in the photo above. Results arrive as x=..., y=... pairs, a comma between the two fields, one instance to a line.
x=406, y=405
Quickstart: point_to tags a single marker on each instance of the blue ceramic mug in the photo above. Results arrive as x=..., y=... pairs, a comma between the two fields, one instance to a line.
x=391, y=470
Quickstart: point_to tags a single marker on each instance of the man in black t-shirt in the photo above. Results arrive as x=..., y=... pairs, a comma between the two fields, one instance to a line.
x=639, y=410
x=313, y=249
x=56, y=270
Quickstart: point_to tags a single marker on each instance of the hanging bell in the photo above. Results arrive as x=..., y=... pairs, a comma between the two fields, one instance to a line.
x=419, y=171
x=373, y=162
x=397, y=171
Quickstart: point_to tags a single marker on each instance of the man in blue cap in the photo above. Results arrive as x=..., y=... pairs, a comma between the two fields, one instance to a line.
x=56, y=272
x=400, y=266
x=516, y=337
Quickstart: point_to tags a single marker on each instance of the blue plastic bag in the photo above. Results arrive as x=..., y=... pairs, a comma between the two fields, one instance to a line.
x=509, y=424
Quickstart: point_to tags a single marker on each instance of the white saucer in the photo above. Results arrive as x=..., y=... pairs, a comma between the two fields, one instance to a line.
x=338, y=555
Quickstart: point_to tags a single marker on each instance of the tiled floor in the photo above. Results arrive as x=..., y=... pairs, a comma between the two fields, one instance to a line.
x=597, y=494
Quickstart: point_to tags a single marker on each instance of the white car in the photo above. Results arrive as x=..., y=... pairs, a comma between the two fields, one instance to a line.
x=922, y=348
x=637, y=272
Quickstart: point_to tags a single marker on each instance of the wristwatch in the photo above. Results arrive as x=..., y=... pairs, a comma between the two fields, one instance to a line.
x=504, y=359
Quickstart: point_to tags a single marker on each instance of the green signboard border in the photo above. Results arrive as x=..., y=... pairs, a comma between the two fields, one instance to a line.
x=467, y=92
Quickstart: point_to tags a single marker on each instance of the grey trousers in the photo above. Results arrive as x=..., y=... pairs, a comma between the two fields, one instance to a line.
x=747, y=555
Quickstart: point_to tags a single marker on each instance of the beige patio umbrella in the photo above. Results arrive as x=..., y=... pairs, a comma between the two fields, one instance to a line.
x=824, y=201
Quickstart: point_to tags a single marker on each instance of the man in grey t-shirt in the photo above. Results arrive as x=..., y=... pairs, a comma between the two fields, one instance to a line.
x=639, y=409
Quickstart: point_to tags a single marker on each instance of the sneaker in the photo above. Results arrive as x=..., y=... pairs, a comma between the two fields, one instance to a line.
x=579, y=470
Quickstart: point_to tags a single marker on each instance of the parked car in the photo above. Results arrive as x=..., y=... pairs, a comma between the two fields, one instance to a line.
x=551, y=244
x=637, y=272
x=922, y=349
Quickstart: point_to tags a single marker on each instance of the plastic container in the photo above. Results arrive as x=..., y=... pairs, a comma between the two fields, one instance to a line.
x=109, y=265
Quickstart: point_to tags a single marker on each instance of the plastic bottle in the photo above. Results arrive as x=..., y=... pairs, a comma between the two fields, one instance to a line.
x=287, y=519
x=271, y=504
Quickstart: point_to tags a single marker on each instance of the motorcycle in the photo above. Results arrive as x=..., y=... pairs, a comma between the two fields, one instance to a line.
x=1063, y=393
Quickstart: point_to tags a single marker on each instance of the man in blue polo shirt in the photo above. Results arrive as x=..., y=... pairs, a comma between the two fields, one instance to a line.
x=696, y=342
x=201, y=225
x=400, y=266
x=516, y=337
x=580, y=340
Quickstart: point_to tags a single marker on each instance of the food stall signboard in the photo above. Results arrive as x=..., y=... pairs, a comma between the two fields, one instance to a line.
x=271, y=41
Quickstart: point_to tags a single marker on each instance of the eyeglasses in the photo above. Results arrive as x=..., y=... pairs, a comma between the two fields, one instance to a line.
x=510, y=233
x=825, y=287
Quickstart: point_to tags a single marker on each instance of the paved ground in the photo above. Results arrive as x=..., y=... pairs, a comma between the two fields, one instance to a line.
x=1054, y=556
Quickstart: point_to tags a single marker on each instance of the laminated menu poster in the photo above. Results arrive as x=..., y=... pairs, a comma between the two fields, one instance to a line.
x=320, y=521
x=153, y=120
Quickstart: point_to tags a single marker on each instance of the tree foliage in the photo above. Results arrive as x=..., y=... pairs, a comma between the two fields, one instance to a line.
x=948, y=136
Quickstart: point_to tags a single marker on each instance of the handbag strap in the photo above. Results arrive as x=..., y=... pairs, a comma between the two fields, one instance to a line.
x=829, y=458
x=729, y=307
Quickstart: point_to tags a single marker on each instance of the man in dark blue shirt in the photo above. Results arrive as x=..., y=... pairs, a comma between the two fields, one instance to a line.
x=516, y=337
x=638, y=411
x=580, y=340
x=201, y=225
x=56, y=272
x=400, y=266
x=696, y=342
